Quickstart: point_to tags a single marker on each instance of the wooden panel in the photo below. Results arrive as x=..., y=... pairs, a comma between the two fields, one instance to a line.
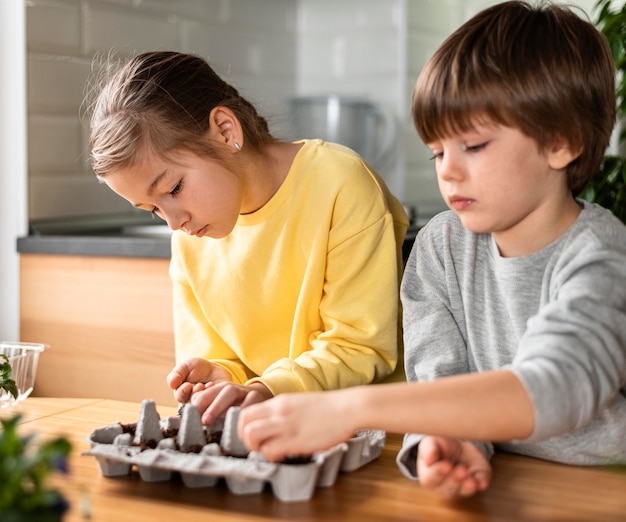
x=108, y=321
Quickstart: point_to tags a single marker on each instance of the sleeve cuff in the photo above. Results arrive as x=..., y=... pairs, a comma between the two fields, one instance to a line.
x=407, y=457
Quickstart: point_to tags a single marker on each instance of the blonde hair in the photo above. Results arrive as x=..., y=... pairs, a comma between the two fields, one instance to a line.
x=160, y=102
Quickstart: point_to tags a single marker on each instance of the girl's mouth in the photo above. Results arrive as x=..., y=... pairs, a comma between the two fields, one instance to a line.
x=201, y=232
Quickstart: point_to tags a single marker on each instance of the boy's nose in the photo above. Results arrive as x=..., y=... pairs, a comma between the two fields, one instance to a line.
x=449, y=168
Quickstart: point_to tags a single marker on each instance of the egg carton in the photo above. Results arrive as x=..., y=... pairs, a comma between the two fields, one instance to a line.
x=160, y=448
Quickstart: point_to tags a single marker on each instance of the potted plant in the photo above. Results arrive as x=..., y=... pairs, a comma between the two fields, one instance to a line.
x=6, y=383
x=608, y=187
x=25, y=465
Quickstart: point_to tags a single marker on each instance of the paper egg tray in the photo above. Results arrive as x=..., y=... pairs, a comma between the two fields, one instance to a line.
x=159, y=448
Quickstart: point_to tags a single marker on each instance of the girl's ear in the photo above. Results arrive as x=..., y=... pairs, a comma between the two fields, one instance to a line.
x=561, y=154
x=225, y=128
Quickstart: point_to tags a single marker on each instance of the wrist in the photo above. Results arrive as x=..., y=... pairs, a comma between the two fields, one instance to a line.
x=353, y=408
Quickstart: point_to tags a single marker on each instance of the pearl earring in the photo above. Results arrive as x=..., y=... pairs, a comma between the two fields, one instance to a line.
x=237, y=147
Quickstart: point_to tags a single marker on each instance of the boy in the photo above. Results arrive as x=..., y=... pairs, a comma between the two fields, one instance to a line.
x=515, y=300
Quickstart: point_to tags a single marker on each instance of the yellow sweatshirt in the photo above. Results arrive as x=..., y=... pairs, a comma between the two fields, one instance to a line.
x=302, y=295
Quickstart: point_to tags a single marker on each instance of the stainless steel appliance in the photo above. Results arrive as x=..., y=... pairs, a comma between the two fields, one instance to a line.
x=350, y=121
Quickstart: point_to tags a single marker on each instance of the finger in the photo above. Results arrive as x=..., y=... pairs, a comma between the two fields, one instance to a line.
x=183, y=393
x=252, y=413
x=202, y=399
x=458, y=483
x=435, y=475
x=429, y=451
x=177, y=376
x=253, y=397
x=271, y=439
x=256, y=433
x=451, y=485
x=468, y=487
x=449, y=489
x=227, y=396
x=482, y=479
x=274, y=449
x=200, y=386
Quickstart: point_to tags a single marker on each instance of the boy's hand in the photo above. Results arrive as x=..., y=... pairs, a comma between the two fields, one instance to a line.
x=197, y=371
x=294, y=424
x=452, y=467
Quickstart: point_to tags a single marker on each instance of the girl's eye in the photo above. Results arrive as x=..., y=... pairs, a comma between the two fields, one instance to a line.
x=154, y=212
x=436, y=155
x=176, y=189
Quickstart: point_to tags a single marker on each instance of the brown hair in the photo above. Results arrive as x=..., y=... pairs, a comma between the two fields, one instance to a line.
x=543, y=70
x=161, y=101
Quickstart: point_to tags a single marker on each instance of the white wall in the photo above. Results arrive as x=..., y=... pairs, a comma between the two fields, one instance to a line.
x=357, y=49
x=271, y=49
x=13, y=218
x=249, y=42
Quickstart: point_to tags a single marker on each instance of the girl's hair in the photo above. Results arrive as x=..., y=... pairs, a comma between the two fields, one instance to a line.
x=160, y=102
x=543, y=70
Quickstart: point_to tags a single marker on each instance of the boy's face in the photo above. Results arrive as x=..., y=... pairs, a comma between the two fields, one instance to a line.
x=498, y=181
x=191, y=193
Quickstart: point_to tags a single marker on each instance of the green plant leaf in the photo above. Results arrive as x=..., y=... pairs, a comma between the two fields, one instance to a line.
x=608, y=186
x=25, y=464
x=6, y=383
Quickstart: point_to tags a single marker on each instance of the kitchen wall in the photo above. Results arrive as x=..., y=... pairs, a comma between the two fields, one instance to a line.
x=270, y=49
x=251, y=43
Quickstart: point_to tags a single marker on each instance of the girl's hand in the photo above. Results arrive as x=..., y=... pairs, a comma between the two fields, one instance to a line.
x=191, y=372
x=452, y=467
x=294, y=424
x=214, y=398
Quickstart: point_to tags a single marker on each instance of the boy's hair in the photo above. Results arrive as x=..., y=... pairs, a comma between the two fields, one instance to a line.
x=543, y=70
x=160, y=102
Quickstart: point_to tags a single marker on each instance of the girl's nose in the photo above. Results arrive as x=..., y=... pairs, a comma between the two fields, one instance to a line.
x=175, y=219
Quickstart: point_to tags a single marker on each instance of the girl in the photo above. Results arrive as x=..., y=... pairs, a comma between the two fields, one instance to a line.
x=286, y=257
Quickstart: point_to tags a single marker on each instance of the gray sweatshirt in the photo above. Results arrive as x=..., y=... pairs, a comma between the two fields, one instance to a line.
x=557, y=318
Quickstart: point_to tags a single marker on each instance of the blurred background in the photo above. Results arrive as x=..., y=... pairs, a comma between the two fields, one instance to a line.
x=314, y=68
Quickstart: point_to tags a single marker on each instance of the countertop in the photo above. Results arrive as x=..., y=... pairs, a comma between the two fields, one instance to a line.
x=117, y=235
x=523, y=489
x=111, y=244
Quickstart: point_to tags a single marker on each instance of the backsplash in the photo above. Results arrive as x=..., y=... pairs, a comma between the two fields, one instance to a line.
x=271, y=50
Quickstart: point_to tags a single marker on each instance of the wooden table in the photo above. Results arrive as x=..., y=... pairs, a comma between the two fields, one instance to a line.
x=523, y=489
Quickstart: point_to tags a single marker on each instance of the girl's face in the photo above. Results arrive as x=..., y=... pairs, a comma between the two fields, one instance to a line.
x=498, y=181
x=191, y=193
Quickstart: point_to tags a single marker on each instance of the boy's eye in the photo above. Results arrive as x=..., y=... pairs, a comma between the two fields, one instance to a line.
x=475, y=148
x=154, y=212
x=436, y=155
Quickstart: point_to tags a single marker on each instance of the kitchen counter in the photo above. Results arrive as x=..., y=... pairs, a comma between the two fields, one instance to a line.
x=118, y=235
x=121, y=245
